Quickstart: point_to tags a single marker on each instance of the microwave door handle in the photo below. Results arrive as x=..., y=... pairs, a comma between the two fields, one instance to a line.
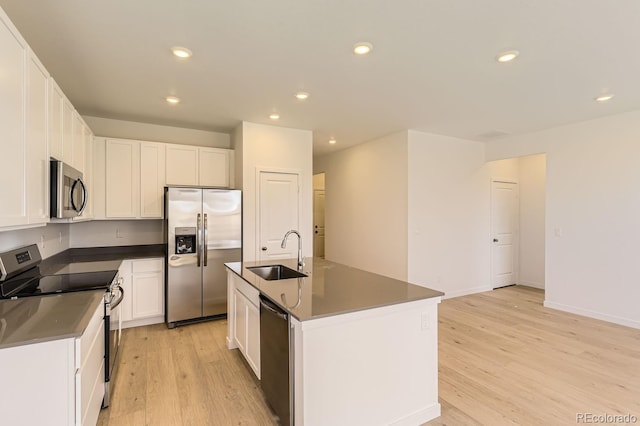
x=75, y=208
x=84, y=196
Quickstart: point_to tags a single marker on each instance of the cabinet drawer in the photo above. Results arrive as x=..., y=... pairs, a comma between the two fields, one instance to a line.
x=247, y=290
x=148, y=265
x=92, y=336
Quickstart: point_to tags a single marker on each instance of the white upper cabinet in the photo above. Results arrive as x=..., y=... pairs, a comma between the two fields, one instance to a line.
x=122, y=178
x=55, y=122
x=128, y=179
x=192, y=165
x=152, y=175
x=77, y=141
x=214, y=167
x=182, y=165
x=13, y=55
x=36, y=141
x=62, y=134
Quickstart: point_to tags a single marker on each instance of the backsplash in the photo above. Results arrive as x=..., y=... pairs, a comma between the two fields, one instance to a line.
x=51, y=239
x=106, y=233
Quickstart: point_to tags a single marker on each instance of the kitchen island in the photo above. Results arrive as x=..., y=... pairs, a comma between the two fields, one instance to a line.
x=362, y=347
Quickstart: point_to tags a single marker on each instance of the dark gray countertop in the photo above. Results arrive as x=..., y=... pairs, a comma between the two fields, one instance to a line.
x=43, y=318
x=92, y=259
x=330, y=288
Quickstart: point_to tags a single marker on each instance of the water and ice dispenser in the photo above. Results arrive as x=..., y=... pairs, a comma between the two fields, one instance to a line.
x=185, y=240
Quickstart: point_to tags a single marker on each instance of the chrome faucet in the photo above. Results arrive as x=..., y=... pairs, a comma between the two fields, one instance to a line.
x=284, y=244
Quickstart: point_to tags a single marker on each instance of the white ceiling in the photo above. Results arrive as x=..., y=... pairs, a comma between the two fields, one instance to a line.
x=432, y=69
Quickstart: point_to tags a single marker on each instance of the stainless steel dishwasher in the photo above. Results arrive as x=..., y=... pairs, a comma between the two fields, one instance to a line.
x=274, y=359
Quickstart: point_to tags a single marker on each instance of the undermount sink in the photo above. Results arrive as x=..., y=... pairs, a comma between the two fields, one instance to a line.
x=275, y=272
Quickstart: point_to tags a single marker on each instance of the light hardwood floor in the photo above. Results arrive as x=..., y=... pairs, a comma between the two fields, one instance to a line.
x=503, y=359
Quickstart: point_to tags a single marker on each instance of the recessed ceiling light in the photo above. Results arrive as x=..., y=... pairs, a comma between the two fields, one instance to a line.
x=274, y=116
x=507, y=56
x=362, y=48
x=332, y=141
x=604, y=98
x=181, y=52
x=172, y=100
x=302, y=95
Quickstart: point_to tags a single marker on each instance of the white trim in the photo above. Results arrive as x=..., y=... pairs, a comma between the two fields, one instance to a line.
x=592, y=314
x=466, y=291
x=143, y=321
x=531, y=284
x=427, y=413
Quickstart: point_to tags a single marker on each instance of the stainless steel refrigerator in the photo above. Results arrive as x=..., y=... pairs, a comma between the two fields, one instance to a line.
x=204, y=230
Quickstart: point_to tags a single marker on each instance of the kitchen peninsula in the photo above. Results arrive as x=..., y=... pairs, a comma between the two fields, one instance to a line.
x=362, y=347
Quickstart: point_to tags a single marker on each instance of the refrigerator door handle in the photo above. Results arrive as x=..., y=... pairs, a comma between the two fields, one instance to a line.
x=199, y=238
x=205, y=253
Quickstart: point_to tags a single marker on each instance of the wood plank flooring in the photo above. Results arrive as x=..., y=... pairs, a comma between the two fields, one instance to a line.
x=504, y=359
x=184, y=376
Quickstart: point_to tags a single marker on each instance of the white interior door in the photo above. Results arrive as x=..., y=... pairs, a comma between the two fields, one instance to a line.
x=318, y=222
x=504, y=230
x=278, y=212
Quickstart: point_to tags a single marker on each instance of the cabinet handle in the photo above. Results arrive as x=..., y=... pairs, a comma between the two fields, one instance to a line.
x=264, y=249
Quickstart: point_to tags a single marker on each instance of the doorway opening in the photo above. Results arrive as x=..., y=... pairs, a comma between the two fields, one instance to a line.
x=517, y=241
x=318, y=215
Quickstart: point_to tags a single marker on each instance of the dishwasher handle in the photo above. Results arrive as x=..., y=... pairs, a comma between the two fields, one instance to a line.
x=273, y=309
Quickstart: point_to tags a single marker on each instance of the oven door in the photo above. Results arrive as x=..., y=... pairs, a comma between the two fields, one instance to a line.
x=113, y=335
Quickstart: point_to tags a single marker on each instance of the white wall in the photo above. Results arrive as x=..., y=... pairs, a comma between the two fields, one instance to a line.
x=55, y=236
x=366, y=205
x=106, y=233
x=107, y=127
x=592, y=211
x=532, y=181
x=449, y=212
x=274, y=148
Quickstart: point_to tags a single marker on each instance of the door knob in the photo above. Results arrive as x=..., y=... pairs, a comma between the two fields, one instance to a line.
x=264, y=249
x=495, y=240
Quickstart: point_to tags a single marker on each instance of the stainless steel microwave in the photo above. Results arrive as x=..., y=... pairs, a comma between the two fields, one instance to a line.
x=68, y=191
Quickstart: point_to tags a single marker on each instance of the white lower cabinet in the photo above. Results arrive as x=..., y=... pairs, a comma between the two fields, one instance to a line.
x=65, y=377
x=143, y=284
x=244, y=320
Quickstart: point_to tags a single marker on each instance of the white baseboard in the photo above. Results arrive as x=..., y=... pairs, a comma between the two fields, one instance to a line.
x=464, y=292
x=531, y=284
x=592, y=314
x=143, y=321
x=419, y=417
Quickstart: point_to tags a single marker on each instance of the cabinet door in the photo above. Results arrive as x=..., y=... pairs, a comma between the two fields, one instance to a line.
x=240, y=316
x=182, y=165
x=36, y=136
x=122, y=178
x=213, y=167
x=152, y=171
x=13, y=52
x=67, y=132
x=127, y=286
x=147, y=295
x=78, y=141
x=88, y=174
x=253, y=338
x=55, y=122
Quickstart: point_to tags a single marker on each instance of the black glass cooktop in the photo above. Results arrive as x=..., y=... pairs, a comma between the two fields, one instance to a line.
x=30, y=285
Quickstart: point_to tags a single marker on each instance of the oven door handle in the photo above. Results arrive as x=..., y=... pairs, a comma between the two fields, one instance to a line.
x=115, y=305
